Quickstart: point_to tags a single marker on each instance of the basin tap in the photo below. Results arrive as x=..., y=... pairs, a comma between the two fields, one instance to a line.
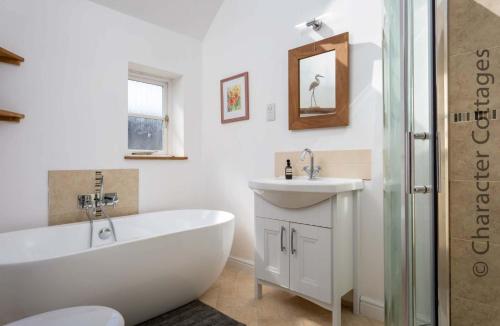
x=311, y=170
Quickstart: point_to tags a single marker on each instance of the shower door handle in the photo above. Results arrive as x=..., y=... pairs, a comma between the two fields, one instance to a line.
x=437, y=158
x=409, y=163
x=411, y=188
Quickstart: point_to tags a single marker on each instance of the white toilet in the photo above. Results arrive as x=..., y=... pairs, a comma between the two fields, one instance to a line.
x=74, y=316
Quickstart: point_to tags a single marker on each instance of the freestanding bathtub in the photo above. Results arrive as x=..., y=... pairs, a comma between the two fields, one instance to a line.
x=161, y=260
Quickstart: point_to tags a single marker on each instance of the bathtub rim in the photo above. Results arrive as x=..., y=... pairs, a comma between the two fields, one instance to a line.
x=231, y=219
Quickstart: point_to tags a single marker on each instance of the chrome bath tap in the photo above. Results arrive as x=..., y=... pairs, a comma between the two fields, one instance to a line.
x=92, y=203
x=311, y=170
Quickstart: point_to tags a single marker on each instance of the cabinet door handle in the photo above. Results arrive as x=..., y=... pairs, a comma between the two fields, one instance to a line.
x=291, y=241
x=283, y=247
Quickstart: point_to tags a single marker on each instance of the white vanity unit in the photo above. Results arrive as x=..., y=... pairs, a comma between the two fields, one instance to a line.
x=306, y=239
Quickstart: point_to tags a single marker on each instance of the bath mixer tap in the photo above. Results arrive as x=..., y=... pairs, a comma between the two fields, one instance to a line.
x=97, y=200
x=311, y=170
x=110, y=199
x=92, y=203
x=86, y=202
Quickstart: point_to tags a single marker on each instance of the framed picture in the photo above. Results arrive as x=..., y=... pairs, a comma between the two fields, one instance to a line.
x=234, y=98
x=318, y=84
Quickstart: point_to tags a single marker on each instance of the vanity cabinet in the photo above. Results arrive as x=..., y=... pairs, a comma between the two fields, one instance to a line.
x=294, y=256
x=310, y=261
x=272, y=261
x=308, y=250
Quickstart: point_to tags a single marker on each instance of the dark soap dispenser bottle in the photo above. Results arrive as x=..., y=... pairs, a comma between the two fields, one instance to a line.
x=288, y=170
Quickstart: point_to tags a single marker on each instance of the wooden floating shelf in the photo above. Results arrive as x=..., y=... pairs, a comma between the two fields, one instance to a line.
x=155, y=157
x=10, y=116
x=10, y=57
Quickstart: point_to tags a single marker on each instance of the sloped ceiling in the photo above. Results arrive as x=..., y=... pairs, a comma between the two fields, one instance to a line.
x=189, y=17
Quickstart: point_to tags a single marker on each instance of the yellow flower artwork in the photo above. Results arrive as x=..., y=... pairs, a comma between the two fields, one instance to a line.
x=234, y=98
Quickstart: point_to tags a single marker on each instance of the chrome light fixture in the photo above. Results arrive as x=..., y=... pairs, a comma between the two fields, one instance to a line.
x=316, y=24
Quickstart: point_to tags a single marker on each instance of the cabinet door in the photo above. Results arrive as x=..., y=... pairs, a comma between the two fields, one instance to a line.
x=311, y=261
x=272, y=262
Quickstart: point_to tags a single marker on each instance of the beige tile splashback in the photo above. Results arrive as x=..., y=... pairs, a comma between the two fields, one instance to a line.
x=335, y=163
x=65, y=186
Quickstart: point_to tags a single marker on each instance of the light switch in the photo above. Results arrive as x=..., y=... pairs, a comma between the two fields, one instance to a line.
x=271, y=112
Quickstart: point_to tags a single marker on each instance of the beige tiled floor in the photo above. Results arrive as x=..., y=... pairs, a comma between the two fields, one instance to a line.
x=233, y=294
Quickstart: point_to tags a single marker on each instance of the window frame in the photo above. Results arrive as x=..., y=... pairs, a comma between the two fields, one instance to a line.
x=165, y=84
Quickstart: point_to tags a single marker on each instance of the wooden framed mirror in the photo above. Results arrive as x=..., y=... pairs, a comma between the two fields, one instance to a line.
x=318, y=84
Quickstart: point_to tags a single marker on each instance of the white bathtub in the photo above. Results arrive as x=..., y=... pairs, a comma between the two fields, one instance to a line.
x=162, y=260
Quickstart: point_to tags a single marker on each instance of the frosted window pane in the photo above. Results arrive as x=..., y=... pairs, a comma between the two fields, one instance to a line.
x=144, y=133
x=145, y=99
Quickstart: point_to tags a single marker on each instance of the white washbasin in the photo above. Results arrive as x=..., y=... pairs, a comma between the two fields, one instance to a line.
x=301, y=192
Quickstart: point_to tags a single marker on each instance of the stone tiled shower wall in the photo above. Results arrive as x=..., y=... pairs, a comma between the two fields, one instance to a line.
x=65, y=186
x=474, y=142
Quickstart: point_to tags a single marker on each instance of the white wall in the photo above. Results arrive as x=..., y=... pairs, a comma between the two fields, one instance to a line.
x=255, y=36
x=73, y=89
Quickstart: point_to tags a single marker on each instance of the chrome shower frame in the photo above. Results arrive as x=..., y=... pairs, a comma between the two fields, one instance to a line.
x=442, y=116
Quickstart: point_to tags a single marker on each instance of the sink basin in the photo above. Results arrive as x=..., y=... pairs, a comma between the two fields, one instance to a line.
x=301, y=192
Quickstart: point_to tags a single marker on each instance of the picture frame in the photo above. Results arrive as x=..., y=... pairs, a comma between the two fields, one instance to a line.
x=234, y=97
x=311, y=103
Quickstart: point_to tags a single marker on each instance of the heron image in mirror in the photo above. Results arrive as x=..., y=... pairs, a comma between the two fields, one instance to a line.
x=317, y=84
x=312, y=89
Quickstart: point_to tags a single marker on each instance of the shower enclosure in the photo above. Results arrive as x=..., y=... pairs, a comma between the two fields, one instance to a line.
x=442, y=162
x=411, y=163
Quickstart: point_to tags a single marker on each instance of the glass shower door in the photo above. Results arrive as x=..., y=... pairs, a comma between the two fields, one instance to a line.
x=395, y=274
x=409, y=139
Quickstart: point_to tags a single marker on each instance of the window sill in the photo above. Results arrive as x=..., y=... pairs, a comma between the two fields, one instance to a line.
x=155, y=157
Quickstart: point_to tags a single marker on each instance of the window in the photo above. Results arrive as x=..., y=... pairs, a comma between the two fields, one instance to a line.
x=147, y=115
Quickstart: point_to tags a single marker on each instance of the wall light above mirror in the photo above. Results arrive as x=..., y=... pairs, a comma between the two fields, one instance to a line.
x=318, y=76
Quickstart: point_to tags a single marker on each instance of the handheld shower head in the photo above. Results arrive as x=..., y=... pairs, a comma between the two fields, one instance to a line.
x=99, y=179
